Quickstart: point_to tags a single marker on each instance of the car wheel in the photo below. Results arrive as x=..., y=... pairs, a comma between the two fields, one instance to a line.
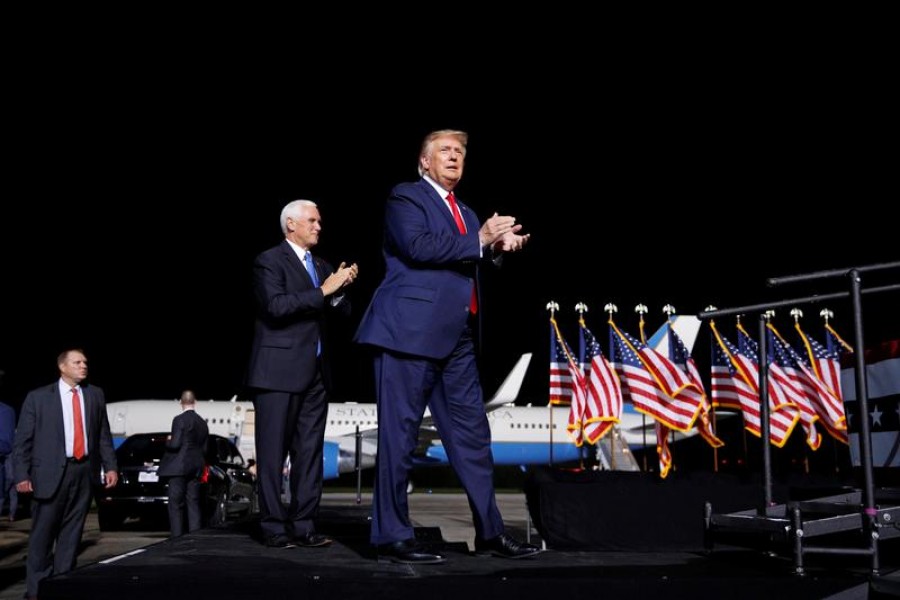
x=109, y=519
x=220, y=513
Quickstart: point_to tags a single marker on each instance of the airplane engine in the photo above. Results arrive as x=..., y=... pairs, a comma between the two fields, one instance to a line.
x=331, y=459
x=339, y=461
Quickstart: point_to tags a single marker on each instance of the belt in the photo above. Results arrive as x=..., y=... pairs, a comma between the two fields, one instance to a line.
x=77, y=461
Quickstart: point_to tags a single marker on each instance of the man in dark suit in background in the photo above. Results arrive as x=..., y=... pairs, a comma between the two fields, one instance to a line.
x=183, y=464
x=288, y=373
x=7, y=438
x=420, y=322
x=62, y=442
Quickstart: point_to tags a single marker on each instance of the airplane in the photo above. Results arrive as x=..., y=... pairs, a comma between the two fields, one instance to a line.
x=235, y=419
x=519, y=434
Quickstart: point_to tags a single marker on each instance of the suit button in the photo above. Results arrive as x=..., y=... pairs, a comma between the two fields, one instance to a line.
x=465, y=308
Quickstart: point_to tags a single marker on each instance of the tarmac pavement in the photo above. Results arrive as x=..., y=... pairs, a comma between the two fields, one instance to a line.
x=448, y=511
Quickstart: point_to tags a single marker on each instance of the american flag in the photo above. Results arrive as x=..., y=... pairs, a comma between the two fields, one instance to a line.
x=788, y=382
x=735, y=384
x=817, y=373
x=730, y=386
x=783, y=416
x=603, y=395
x=657, y=387
x=561, y=383
x=566, y=375
x=726, y=384
x=826, y=360
x=681, y=357
x=577, y=409
x=662, y=449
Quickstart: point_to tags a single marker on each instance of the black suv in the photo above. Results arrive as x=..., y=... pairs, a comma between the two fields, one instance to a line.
x=229, y=491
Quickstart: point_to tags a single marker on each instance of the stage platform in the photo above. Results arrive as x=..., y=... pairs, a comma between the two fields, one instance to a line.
x=230, y=563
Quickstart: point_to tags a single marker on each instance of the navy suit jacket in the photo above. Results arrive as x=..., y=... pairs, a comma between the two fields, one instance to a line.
x=41, y=438
x=186, y=449
x=422, y=306
x=290, y=319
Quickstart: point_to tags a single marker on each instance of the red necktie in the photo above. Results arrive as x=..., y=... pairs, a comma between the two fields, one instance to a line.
x=451, y=199
x=78, y=445
x=455, y=210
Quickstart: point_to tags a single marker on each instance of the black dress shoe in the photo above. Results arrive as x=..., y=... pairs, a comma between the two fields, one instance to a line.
x=505, y=546
x=278, y=541
x=408, y=552
x=311, y=540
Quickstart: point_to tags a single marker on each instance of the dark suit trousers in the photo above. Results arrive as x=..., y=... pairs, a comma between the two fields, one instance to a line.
x=451, y=389
x=184, y=497
x=290, y=424
x=59, y=519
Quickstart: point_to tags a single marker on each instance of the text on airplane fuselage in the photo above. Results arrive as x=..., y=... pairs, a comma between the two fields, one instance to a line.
x=355, y=412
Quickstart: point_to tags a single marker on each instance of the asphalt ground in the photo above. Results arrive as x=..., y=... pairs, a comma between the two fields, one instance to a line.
x=446, y=510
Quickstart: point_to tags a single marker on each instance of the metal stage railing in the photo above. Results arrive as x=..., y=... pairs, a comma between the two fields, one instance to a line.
x=767, y=518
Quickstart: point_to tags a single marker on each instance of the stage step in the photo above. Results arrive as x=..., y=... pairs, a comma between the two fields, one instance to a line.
x=613, y=453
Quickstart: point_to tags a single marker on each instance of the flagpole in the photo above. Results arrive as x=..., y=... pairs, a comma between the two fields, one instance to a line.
x=552, y=307
x=581, y=308
x=640, y=309
x=669, y=310
x=713, y=407
x=826, y=314
x=610, y=309
x=797, y=313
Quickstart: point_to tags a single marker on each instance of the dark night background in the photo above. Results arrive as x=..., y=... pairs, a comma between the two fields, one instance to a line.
x=131, y=219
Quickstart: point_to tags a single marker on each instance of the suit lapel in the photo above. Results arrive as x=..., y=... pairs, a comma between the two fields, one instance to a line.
x=294, y=260
x=56, y=414
x=88, y=411
x=468, y=216
x=440, y=205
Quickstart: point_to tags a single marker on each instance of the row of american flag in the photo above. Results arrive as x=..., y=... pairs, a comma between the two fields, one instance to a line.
x=804, y=384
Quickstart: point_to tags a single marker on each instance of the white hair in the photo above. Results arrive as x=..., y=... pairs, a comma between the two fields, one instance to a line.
x=294, y=210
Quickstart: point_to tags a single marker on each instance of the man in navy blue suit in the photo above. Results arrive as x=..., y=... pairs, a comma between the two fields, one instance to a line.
x=288, y=374
x=420, y=323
